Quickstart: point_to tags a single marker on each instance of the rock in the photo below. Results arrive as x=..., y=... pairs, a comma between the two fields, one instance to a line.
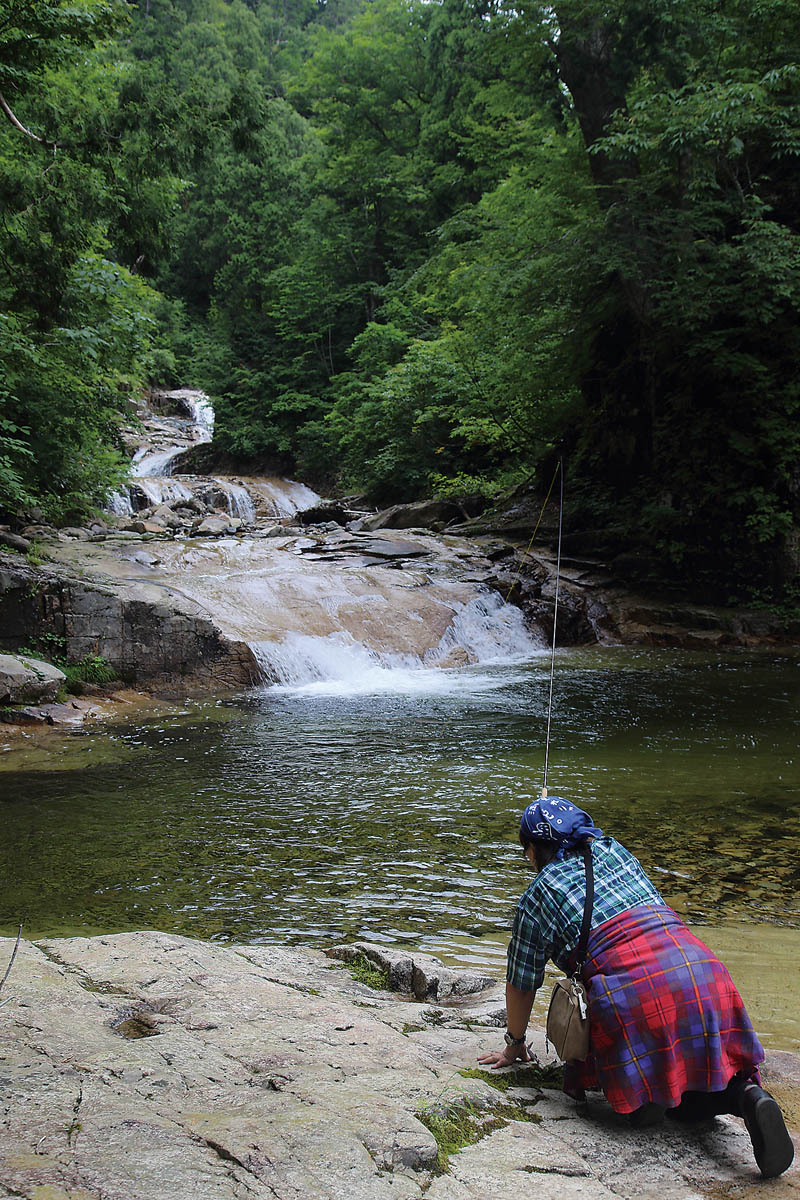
x=143, y=557
x=170, y=518
x=188, y=506
x=150, y=525
x=389, y=548
x=332, y=511
x=259, y=1072
x=420, y=974
x=25, y=716
x=74, y=531
x=145, y=642
x=23, y=679
x=14, y=541
x=38, y=532
x=429, y=514
x=215, y=526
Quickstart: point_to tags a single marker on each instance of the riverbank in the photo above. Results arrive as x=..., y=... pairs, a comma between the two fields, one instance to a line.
x=193, y=585
x=145, y=1064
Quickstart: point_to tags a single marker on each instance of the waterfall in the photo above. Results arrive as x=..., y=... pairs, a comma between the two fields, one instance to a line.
x=200, y=409
x=484, y=632
x=158, y=491
x=283, y=497
x=119, y=503
x=155, y=463
x=238, y=500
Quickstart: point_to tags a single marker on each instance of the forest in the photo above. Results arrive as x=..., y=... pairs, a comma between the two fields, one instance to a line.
x=419, y=248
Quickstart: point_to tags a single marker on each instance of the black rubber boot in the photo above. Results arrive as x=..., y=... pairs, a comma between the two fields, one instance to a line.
x=772, y=1145
x=648, y=1116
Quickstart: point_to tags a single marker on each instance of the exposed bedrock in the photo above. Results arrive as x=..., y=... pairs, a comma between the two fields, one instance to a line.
x=147, y=643
x=146, y=1066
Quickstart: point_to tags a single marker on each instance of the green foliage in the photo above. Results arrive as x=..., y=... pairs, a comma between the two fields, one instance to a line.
x=91, y=669
x=419, y=248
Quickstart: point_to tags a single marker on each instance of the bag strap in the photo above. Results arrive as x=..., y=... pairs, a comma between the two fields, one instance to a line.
x=583, y=940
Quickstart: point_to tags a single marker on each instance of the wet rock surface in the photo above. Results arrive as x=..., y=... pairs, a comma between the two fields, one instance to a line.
x=143, y=639
x=148, y=1065
x=198, y=583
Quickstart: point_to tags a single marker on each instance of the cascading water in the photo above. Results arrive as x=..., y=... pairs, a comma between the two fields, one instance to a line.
x=159, y=463
x=119, y=503
x=323, y=610
x=238, y=500
x=200, y=409
x=282, y=497
x=484, y=632
x=168, y=437
x=158, y=490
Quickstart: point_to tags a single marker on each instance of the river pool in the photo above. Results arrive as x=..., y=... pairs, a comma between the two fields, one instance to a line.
x=387, y=808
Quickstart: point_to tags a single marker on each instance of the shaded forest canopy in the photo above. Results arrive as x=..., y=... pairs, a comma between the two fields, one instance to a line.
x=419, y=248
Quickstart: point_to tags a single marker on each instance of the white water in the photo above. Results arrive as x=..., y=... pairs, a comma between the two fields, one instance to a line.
x=485, y=632
x=283, y=497
x=119, y=503
x=158, y=463
x=158, y=491
x=238, y=500
x=199, y=408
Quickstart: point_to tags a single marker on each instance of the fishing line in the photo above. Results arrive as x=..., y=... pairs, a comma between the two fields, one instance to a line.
x=555, y=623
x=533, y=535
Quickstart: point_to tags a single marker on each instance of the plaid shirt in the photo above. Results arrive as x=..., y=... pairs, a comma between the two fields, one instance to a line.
x=547, y=923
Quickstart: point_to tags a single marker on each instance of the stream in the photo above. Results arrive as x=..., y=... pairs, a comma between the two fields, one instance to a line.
x=371, y=788
x=384, y=805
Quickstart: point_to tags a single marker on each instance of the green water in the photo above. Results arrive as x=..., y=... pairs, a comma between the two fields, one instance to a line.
x=317, y=818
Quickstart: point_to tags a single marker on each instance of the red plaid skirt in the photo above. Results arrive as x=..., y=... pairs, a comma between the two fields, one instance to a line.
x=664, y=1013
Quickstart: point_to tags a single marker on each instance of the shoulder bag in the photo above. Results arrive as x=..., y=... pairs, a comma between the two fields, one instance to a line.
x=567, y=1028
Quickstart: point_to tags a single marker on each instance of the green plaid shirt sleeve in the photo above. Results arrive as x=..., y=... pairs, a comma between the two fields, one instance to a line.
x=527, y=954
x=547, y=922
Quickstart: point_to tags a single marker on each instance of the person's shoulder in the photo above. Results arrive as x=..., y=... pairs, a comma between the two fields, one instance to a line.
x=609, y=847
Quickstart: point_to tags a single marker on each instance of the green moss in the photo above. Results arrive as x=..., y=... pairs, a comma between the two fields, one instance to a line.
x=411, y=1027
x=366, y=972
x=454, y=1126
x=531, y=1075
x=463, y=1122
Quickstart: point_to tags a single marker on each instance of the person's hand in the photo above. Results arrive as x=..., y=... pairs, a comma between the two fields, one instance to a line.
x=506, y=1057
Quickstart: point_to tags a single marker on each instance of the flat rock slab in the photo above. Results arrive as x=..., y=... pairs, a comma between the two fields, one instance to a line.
x=146, y=1066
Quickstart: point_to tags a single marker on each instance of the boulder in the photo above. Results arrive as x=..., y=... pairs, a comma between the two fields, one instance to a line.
x=23, y=679
x=169, y=518
x=14, y=541
x=420, y=974
x=38, y=532
x=427, y=514
x=332, y=511
x=145, y=526
x=216, y=526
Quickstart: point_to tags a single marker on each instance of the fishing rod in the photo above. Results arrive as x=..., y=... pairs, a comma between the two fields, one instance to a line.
x=555, y=624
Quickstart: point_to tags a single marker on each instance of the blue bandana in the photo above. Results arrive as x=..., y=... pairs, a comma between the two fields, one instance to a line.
x=557, y=821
